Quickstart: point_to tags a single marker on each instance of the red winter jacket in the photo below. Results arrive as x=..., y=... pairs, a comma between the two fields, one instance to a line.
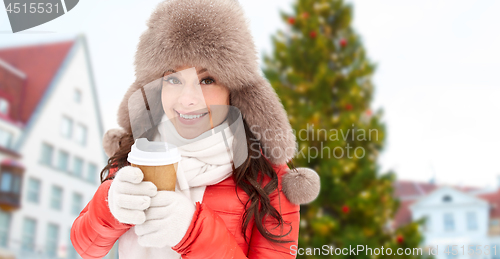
x=215, y=231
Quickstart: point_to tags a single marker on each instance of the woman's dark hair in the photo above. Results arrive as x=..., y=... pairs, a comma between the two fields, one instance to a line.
x=248, y=176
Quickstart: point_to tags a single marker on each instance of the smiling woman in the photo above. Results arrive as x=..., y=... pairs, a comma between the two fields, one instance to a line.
x=234, y=198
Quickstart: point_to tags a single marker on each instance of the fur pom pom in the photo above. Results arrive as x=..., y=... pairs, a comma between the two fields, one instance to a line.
x=111, y=141
x=301, y=186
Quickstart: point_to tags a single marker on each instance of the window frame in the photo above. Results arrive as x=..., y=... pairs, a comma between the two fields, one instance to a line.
x=76, y=208
x=56, y=201
x=10, y=184
x=471, y=225
x=8, y=135
x=81, y=134
x=30, y=234
x=52, y=243
x=448, y=222
x=48, y=161
x=70, y=126
x=91, y=174
x=78, y=160
x=29, y=190
x=66, y=166
x=77, y=95
x=7, y=105
x=5, y=230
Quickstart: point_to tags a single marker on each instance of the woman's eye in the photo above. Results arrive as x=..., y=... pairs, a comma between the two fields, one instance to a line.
x=173, y=80
x=209, y=80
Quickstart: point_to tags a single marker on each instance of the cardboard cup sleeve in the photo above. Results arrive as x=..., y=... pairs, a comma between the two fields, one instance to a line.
x=163, y=176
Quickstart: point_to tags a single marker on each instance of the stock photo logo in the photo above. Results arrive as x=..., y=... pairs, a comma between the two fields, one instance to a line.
x=26, y=14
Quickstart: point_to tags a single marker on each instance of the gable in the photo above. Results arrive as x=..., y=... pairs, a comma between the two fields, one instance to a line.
x=79, y=51
x=60, y=106
x=447, y=196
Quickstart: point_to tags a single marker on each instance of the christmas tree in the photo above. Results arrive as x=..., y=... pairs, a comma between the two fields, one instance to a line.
x=321, y=73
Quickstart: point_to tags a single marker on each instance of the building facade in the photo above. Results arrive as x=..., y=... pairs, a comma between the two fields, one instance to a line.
x=51, y=150
x=460, y=222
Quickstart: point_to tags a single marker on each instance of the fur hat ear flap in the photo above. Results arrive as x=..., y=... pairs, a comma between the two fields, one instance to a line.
x=111, y=141
x=261, y=108
x=301, y=186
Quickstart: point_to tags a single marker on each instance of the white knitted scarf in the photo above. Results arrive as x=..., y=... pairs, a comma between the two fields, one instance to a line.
x=205, y=160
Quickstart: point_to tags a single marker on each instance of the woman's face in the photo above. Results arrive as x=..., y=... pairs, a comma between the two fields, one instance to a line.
x=187, y=95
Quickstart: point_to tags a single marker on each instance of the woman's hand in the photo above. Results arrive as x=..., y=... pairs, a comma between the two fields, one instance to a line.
x=129, y=196
x=167, y=220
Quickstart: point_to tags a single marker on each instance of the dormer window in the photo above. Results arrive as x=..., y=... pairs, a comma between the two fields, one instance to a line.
x=447, y=198
x=4, y=106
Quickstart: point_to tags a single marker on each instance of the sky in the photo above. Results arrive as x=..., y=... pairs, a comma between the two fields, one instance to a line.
x=436, y=80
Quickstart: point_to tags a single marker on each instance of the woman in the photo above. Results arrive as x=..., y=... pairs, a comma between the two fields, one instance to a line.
x=248, y=209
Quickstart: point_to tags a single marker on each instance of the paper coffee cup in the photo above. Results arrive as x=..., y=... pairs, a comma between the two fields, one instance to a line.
x=157, y=160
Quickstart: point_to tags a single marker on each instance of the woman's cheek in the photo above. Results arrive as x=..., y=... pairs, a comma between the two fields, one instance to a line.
x=167, y=107
x=215, y=95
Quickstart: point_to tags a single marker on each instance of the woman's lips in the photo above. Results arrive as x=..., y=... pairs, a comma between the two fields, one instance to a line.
x=190, y=118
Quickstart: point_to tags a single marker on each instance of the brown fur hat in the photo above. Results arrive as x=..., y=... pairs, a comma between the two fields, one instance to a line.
x=214, y=34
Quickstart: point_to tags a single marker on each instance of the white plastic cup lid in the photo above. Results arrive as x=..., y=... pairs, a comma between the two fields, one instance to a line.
x=144, y=152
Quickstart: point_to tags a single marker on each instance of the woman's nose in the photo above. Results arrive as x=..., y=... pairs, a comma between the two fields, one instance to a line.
x=191, y=95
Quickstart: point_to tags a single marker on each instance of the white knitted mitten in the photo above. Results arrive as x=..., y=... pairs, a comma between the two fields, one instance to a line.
x=129, y=196
x=167, y=220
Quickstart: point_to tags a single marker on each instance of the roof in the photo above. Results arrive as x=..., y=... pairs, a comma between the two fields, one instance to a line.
x=403, y=214
x=494, y=200
x=12, y=163
x=405, y=189
x=408, y=192
x=39, y=63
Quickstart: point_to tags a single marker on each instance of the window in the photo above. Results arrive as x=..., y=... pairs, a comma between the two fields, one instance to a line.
x=66, y=127
x=91, y=172
x=33, y=190
x=16, y=188
x=471, y=221
x=77, y=96
x=427, y=224
x=28, y=236
x=56, y=197
x=81, y=134
x=449, y=224
x=63, y=160
x=6, y=184
x=77, y=203
x=447, y=198
x=494, y=222
x=47, y=153
x=78, y=167
x=4, y=106
x=72, y=254
x=4, y=228
x=52, y=240
x=6, y=138
x=10, y=182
